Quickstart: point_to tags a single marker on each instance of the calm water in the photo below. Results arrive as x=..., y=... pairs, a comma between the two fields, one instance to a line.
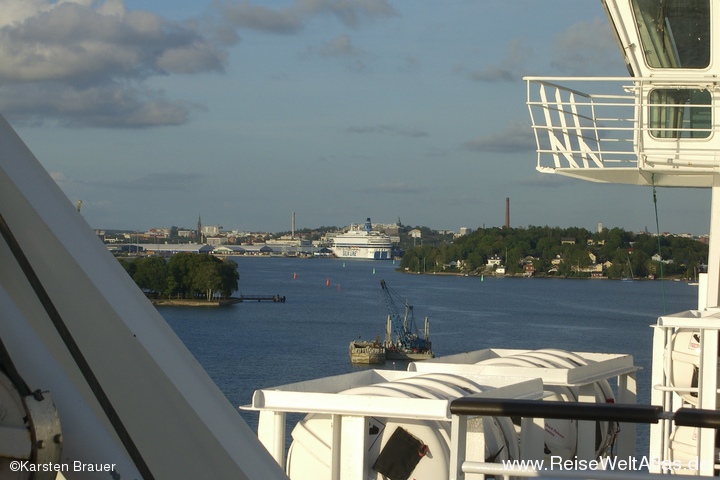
x=255, y=345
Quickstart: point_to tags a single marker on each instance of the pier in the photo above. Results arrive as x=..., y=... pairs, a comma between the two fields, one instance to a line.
x=260, y=298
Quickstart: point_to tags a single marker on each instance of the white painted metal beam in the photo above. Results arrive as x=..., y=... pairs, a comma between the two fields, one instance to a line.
x=180, y=424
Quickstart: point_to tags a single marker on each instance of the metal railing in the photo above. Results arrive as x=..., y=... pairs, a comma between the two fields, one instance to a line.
x=531, y=410
x=619, y=126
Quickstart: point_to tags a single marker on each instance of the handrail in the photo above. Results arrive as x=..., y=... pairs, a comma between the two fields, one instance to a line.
x=697, y=417
x=615, y=412
x=499, y=407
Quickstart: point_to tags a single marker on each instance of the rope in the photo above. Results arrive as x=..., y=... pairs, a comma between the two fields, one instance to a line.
x=657, y=228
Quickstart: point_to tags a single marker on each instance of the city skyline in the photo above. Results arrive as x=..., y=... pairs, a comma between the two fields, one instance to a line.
x=245, y=111
x=459, y=231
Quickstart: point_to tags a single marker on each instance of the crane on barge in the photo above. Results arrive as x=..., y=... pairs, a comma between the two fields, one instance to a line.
x=402, y=342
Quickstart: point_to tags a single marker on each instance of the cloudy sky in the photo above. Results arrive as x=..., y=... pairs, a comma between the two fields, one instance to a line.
x=153, y=112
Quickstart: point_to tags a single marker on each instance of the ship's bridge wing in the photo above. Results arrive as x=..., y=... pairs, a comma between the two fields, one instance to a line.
x=631, y=130
x=658, y=126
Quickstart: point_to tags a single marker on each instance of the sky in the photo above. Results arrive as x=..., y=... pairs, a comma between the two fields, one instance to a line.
x=157, y=112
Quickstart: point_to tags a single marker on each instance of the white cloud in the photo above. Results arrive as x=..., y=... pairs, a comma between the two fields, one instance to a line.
x=506, y=70
x=515, y=137
x=254, y=17
x=587, y=48
x=84, y=62
x=389, y=129
x=293, y=18
x=109, y=105
x=74, y=43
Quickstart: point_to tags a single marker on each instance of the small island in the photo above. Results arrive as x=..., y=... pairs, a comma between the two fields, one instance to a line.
x=185, y=279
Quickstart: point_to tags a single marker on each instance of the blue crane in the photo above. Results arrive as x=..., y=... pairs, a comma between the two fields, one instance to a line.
x=401, y=332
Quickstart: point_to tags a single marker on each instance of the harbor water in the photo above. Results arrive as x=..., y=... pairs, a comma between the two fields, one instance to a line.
x=330, y=302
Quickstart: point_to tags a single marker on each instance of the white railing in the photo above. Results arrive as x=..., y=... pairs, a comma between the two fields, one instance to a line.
x=619, y=127
x=580, y=130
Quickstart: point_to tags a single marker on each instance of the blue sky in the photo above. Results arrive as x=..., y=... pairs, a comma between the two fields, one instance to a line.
x=153, y=112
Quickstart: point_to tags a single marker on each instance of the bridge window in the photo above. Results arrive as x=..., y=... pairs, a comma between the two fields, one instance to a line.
x=680, y=113
x=674, y=33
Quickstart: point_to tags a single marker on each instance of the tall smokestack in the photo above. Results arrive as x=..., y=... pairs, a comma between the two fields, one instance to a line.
x=292, y=233
x=507, y=212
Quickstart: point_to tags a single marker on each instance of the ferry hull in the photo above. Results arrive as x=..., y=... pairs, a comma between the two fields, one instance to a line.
x=363, y=253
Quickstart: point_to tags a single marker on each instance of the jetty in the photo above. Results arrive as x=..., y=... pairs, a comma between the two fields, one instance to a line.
x=260, y=298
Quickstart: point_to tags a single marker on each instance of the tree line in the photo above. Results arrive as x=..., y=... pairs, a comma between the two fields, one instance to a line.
x=682, y=256
x=184, y=275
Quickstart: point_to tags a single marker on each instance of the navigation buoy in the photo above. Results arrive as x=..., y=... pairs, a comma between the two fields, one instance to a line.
x=373, y=271
x=294, y=275
x=343, y=264
x=327, y=282
x=482, y=278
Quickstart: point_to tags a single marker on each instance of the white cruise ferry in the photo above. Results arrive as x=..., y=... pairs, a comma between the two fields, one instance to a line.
x=363, y=243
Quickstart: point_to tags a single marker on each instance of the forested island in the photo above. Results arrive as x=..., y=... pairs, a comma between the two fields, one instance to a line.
x=184, y=276
x=563, y=252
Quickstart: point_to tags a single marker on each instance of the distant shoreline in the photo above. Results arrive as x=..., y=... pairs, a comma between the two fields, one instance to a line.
x=559, y=277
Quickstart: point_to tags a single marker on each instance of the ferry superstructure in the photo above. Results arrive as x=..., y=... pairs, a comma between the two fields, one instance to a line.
x=94, y=384
x=362, y=243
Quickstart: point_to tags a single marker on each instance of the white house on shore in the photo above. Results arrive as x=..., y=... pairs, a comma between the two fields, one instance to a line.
x=494, y=261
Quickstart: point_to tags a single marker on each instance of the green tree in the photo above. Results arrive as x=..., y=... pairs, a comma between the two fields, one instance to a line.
x=229, y=278
x=207, y=279
x=151, y=274
x=129, y=267
x=180, y=268
x=201, y=275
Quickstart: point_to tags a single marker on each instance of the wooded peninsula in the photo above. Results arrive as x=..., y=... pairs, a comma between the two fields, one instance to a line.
x=564, y=252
